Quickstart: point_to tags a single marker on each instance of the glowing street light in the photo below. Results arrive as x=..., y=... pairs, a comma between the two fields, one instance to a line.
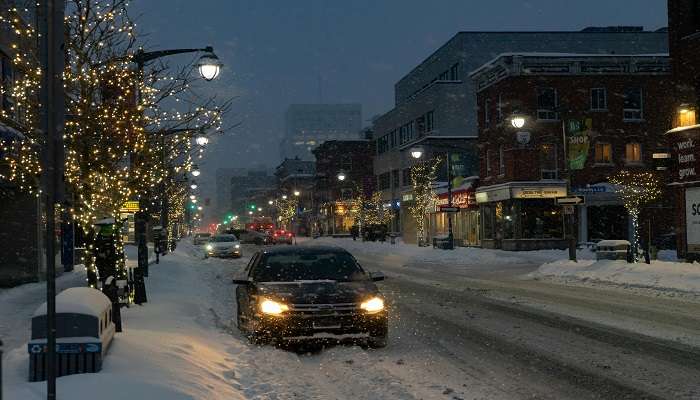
x=517, y=121
x=192, y=197
x=297, y=193
x=193, y=186
x=284, y=197
x=209, y=66
x=341, y=176
x=417, y=152
x=195, y=171
x=202, y=140
x=270, y=202
x=259, y=208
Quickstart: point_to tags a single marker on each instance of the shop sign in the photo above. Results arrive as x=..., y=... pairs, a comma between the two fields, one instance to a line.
x=462, y=198
x=407, y=197
x=522, y=137
x=692, y=219
x=685, y=155
x=130, y=206
x=577, y=141
x=538, y=192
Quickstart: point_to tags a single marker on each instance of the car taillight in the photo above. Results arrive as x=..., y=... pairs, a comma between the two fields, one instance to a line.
x=289, y=234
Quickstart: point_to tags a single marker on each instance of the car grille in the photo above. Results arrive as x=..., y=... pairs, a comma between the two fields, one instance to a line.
x=316, y=310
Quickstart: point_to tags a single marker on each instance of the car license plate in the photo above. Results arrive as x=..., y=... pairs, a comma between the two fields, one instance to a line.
x=325, y=323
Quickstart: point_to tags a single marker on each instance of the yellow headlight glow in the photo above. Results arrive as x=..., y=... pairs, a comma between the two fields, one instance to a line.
x=271, y=307
x=210, y=247
x=373, y=305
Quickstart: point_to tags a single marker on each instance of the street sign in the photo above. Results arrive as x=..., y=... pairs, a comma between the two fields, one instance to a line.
x=571, y=200
x=568, y=209
x=449, y=209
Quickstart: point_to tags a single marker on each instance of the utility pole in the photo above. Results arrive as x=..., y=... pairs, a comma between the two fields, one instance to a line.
x=51, y=49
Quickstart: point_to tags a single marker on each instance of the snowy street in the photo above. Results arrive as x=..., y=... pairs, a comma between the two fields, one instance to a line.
x=478, y=332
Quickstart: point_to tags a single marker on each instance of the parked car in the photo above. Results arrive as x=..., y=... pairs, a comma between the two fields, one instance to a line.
x=301, y=293
x=201, y=238
x=223, y=246
x=248, y=236
x=281, y=236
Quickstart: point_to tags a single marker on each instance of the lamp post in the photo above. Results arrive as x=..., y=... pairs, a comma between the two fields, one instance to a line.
x=209, y=68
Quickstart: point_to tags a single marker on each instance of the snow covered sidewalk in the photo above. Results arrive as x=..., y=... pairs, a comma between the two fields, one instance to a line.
x=659, y=275
x=460, y=256
x=168, y=350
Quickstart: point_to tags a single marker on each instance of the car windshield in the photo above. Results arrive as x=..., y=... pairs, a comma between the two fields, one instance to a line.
x=223, y=238
x=308, y=266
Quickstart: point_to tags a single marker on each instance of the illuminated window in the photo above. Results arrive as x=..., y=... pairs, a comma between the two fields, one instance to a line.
x=633, y=153
x=686, y=116
x=603, y=153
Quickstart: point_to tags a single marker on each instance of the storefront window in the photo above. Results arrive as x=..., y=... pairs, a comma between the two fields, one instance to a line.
x=508, y=220
x=541, y=219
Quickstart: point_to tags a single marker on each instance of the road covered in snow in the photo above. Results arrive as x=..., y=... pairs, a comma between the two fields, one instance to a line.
x=460, y=328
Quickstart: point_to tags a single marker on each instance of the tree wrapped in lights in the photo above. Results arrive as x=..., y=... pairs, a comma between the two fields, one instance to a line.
x=287, y=210
x=20, y=155
x=636, y=189
x=422, y=176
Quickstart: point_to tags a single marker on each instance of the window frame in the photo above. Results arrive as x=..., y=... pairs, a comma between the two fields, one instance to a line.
x=595, y=153
x=501, y=161
x=625, y=110
x=488, y=162
x=548, y=114
x=487, y=114
x=605, y=98
x=638, y=147
x=555, y=153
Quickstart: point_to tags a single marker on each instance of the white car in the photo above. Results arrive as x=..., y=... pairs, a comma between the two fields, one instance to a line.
x=223, y=246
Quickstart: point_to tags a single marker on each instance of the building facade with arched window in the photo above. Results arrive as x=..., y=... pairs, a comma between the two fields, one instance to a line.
x=559, y=125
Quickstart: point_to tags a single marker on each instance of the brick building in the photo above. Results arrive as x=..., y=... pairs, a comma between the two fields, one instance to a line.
x=295, y=177
x=435, y=103
x=613, y=110
x=684, y=138
x=331, y=195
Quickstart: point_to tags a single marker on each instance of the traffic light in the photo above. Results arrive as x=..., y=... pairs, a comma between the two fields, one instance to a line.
x=252, y=207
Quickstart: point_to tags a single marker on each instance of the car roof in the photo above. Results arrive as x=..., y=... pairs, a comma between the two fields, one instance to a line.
x=305, y=249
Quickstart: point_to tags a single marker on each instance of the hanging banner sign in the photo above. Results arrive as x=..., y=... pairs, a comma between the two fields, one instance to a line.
x=578, y=142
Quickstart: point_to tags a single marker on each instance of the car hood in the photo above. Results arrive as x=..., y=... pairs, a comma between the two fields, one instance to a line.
x=222, y=245
x=318, y=292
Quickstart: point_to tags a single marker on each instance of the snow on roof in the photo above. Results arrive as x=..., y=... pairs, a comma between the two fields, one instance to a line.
x=560, y=55
x=78, y=300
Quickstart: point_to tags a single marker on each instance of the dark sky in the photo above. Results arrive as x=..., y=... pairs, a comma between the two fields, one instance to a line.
x=277, y=52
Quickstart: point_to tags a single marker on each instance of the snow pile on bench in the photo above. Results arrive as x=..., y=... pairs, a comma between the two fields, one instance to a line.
x=78, y=300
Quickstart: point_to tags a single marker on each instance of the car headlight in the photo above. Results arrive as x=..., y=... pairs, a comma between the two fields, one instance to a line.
x=373, y=305
x=238, y=246
x=210, y=247
x=272, y=307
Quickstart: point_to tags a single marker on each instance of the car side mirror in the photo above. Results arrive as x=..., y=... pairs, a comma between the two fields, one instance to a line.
x=238, y=281
x=377, y=276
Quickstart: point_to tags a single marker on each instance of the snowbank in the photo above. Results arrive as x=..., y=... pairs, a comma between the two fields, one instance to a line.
x=663, y=275
x=458, y=256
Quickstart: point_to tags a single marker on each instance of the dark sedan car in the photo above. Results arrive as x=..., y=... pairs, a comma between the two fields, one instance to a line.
x=300, y=293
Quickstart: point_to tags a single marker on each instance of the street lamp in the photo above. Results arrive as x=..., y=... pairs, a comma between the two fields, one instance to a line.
x=193, y=186
x=202, y=140
x=517, y=121
x=259, y=208
x=297, y=193
x=284, y=197
x=209, y=66
x=341, y=176
x=192, y=197
x=270, y=202
x=195, y=171
x=417, y=152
